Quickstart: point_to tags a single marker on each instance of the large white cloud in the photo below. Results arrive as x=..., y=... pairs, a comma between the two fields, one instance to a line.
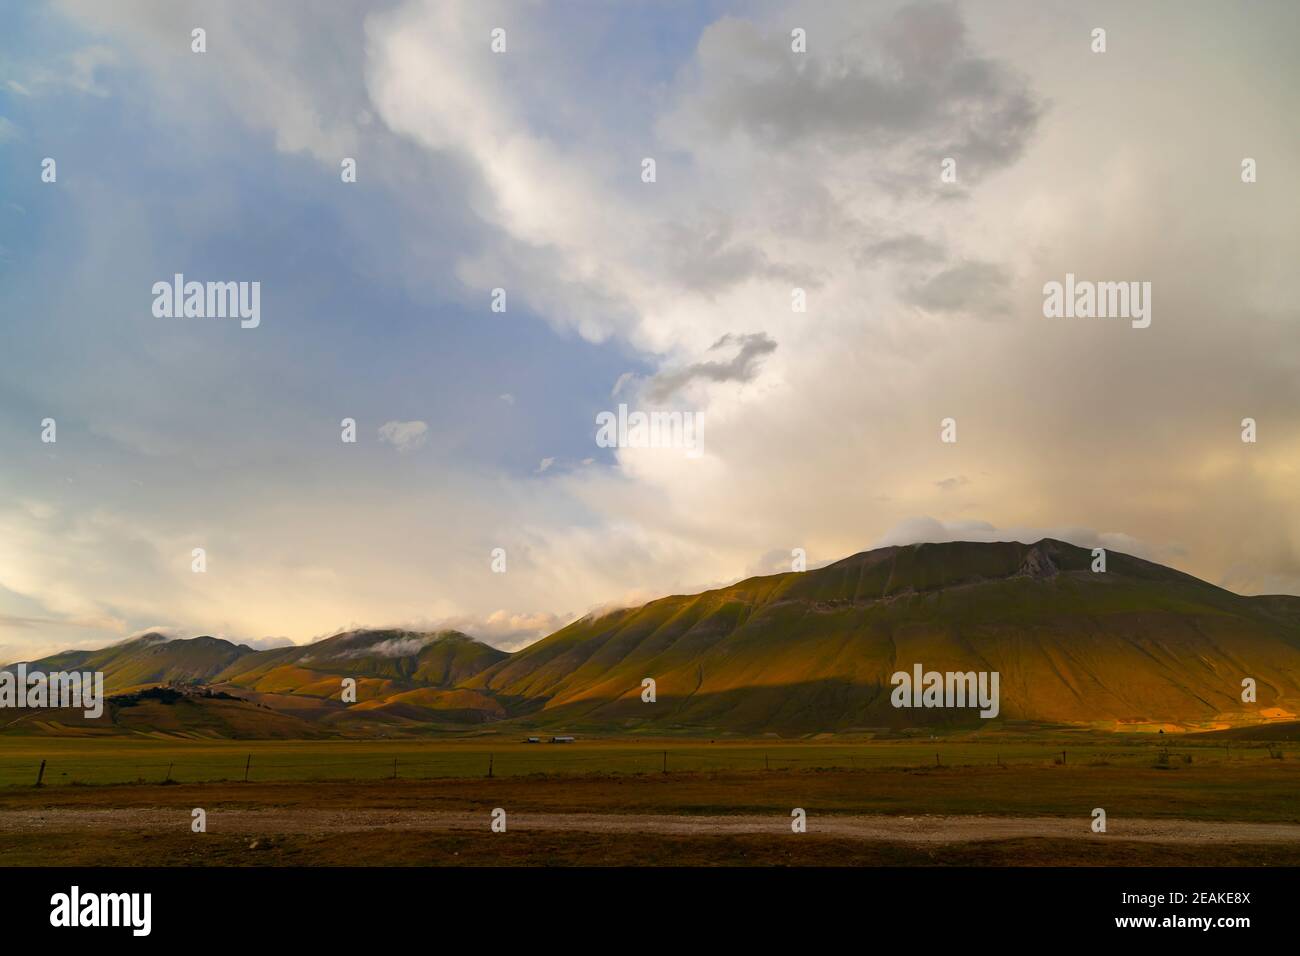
x=776, y=170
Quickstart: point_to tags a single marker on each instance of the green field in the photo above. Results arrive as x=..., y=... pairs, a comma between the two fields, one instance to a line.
x=116, y=760
x=334, y=802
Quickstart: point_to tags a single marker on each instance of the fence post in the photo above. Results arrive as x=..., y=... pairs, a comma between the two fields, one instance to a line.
x=936, y=760
x=489, y=766
x=40, y=774
x=394, y=768
x=169, y=772
x=665, y=761
x=1062, y=758
x=247, y=764
x=767, y=765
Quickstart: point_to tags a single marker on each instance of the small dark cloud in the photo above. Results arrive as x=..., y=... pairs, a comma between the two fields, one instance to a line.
x=705, y=256
x=907, y=248
x=974, y=287
x=741, y=367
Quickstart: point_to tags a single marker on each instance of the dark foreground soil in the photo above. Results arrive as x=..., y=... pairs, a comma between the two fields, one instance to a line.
x=961, y=818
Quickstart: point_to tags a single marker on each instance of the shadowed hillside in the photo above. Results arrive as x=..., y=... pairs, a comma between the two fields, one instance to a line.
x=149, y=659
x=377, y=659
x=405, y=680
x=814, y=651
x=1140, y=645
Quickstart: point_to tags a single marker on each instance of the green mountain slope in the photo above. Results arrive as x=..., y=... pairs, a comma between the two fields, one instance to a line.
x=377, y=659
x=1137, y=645
x=814, y=651
x=149, y=659
x=406, y=681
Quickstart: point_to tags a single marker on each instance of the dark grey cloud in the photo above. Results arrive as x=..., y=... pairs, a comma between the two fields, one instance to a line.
x=706, y=256
x=978, y=288
x=914, y=84
x=907, y=248
x=741, y=367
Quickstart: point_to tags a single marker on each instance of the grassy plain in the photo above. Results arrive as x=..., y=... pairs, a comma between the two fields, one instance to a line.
x=105, y=801
x=126, y=759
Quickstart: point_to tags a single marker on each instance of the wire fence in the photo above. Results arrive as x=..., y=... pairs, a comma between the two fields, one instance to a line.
x=280, y=763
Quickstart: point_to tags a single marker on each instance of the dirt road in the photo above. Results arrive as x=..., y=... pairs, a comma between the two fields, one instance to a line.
x=891, y=829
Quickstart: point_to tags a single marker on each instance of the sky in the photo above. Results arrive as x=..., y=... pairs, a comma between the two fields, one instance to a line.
x=523, y=170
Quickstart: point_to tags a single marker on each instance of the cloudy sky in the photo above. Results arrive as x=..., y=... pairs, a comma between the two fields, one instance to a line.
x=522, y=170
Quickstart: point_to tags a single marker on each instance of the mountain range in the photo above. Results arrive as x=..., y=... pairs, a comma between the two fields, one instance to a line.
x=1138, y=645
